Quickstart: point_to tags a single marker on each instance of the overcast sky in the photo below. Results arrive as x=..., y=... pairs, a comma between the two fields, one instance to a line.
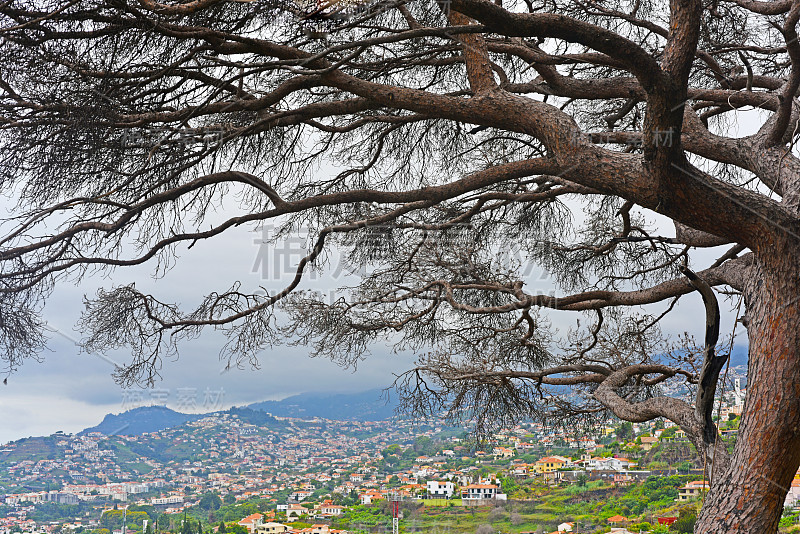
x=71, y=390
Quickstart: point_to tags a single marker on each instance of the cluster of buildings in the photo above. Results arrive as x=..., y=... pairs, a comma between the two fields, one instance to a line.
x=306, y=468
x=256, y=524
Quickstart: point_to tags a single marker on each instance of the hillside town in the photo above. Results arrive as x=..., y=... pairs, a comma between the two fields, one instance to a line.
x=249, y=472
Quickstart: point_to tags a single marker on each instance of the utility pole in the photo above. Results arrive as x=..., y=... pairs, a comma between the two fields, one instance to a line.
x=394, y=502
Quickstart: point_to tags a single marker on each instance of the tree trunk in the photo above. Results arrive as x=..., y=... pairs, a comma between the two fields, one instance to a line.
x=749, y=495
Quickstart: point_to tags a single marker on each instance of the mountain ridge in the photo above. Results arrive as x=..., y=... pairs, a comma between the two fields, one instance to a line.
x=370, y=405
x=141, y=420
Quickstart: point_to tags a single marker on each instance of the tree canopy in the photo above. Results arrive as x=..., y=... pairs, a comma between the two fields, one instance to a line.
x=450, y=145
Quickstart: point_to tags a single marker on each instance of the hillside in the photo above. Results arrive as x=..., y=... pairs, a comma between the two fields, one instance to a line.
x=364, y=406
x=31, y=449
x=141, y=421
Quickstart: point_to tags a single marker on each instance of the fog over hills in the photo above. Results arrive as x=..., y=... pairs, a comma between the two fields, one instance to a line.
x=369, y=405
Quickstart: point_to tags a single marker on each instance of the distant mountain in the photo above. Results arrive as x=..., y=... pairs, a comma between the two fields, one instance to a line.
x=738, y=355
x=255, y=417
x=366, y=406
x=142, y=420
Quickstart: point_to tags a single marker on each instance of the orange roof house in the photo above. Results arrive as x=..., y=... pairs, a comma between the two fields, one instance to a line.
x=252, y=522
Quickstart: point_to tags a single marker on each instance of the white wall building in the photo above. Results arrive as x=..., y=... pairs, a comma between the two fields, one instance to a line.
x=440, y=489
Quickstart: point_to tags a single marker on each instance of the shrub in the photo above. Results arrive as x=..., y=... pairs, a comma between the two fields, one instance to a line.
x=497, y=514
x=686, y=520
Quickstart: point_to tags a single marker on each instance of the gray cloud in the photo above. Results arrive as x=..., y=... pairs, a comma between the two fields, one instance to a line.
x=72, y=390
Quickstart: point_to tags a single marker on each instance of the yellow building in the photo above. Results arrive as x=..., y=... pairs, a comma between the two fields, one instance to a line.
x=648, y=442
x=692, y=490
x=549, y=463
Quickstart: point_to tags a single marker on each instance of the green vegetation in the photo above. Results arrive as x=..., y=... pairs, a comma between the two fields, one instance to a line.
x=442, y=502
x=686, y=520
x=31, y=449
x=542, y=508
x=134, y=519
x=50, y=511
x=533, y=504
x=210, y=501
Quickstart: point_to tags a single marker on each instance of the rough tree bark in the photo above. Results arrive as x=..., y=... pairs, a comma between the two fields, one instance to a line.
x=767, y=452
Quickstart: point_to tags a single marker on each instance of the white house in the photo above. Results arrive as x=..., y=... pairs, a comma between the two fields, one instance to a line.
x=794, y=494
x=608, y=464
x=300, y=495
x=294, y=511
x=271, y=528
x=331, y=509
x=437, y=488
x=424, y=472
x=479, y=491
x=252, y=522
